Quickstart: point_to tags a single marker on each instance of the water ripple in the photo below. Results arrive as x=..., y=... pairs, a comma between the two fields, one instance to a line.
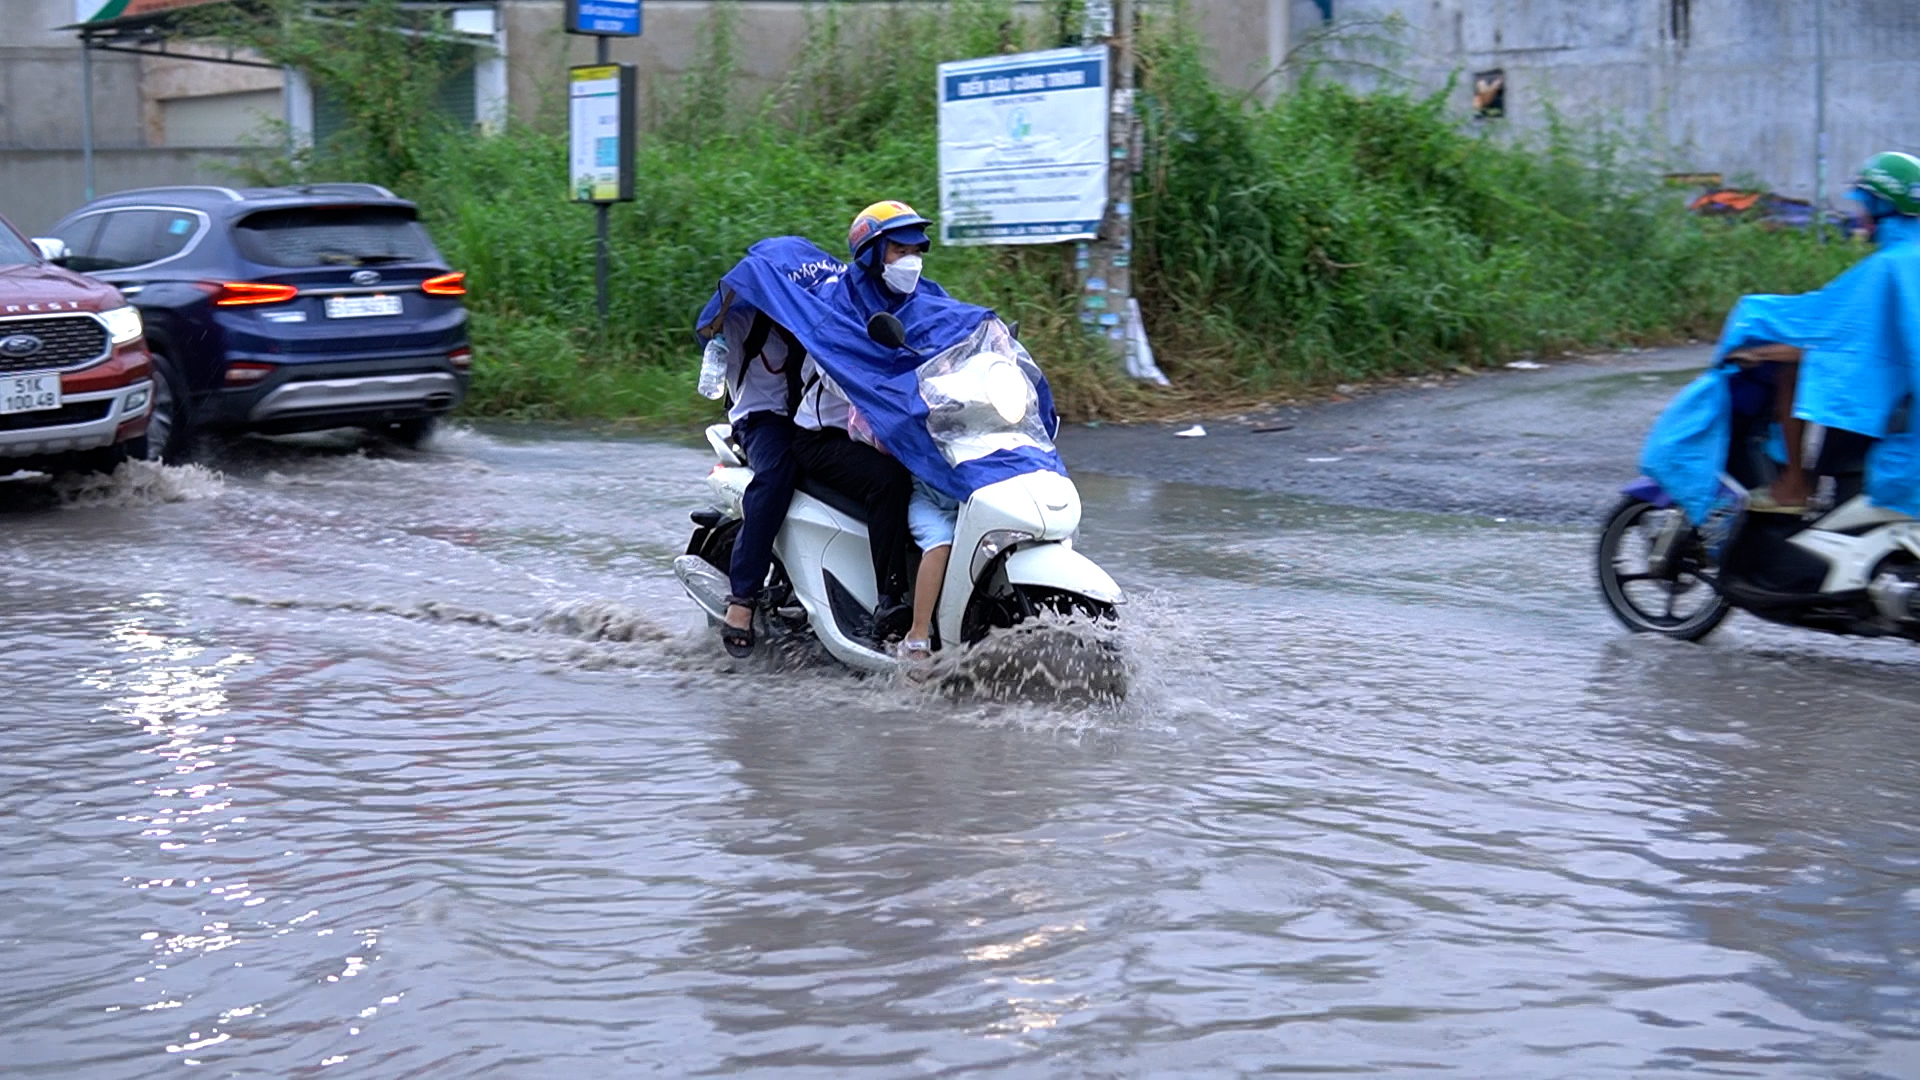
x=419, y=766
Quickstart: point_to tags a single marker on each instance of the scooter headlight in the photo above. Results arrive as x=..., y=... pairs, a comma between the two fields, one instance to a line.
x=992, y=543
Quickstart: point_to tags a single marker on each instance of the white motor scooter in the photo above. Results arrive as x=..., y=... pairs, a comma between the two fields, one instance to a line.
x=1013, y=552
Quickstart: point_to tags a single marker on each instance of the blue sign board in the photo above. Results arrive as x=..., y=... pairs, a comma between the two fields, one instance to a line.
x=612, y=18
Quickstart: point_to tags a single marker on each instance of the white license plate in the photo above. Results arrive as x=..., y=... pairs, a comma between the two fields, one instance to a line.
x=359, y=307
x=29, y=393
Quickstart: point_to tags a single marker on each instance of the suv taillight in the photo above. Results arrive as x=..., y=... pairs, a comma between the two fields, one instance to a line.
x=454, y=284
x=243, y=293
x=461, y=358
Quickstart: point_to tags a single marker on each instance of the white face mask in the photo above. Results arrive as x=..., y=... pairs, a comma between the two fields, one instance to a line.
x=902, y=275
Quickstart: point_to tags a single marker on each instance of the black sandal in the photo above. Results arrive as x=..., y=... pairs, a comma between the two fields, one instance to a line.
x=738, y=640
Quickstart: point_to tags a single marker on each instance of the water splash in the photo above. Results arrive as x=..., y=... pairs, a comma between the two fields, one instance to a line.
x=585, y=620
x=599, y=620
x=139, y=483
x=1051, y=658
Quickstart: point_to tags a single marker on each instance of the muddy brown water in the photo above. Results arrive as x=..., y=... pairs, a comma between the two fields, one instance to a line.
x=368, y=763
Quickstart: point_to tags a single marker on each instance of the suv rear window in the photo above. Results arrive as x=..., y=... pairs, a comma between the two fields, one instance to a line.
x=332, y=236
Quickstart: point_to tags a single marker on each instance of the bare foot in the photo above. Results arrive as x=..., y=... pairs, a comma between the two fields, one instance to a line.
x=1790, y=489
x=739, y=617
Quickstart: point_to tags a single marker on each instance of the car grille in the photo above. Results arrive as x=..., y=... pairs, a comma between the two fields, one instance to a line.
x=65, y=340
x=80, y=412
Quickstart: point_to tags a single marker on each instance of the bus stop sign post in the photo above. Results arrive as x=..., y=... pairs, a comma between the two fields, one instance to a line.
x=600, y=120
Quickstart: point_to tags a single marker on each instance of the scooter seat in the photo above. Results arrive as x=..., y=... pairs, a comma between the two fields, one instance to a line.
x=833, y=497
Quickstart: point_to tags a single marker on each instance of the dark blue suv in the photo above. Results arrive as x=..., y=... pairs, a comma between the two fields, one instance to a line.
x=282, y=309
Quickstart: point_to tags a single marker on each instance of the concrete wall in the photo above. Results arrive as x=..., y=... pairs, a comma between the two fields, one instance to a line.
x=192, y=92
x=38, y=187
x=41, y=81
x=1732, y=93
x=771, y=34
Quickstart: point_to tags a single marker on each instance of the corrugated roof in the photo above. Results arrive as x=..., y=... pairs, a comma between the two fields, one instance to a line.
x=116, y=10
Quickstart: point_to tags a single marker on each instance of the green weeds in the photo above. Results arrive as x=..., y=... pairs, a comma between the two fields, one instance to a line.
x=1332, y=236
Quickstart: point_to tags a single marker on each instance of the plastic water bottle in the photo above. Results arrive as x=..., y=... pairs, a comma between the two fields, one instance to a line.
x=713, y=368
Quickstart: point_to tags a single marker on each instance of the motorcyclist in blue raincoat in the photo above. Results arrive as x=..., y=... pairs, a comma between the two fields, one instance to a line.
x=885, y=243
x=1846, y=357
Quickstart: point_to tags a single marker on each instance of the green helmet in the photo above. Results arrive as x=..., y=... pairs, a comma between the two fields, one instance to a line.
x=1894, y=177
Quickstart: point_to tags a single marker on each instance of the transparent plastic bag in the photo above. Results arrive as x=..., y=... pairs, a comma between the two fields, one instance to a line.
x=982, y=396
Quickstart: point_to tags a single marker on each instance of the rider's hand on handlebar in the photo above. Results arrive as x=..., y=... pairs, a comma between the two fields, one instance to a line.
x=1765, y=354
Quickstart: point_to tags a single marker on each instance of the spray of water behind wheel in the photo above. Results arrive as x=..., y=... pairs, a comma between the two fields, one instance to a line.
x=1052, y=657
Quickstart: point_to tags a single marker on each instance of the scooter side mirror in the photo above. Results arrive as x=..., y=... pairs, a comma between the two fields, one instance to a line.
x=885, y=328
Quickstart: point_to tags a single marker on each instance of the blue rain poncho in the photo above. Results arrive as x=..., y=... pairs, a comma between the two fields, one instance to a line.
x=1861, y=362
x=826, y=308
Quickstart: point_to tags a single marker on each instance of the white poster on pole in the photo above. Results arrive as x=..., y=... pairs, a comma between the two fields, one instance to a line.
x=1024, y=147
x=600, y=114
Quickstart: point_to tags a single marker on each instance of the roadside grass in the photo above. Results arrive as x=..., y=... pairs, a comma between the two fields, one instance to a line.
x=1332, y=237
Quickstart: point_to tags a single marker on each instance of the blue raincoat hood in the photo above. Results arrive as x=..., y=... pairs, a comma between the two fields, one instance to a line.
x=826, y=307
x=1861, y=336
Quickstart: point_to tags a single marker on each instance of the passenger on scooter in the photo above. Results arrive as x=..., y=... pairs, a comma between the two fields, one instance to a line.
x=932, y=517
x=763, y=381
x=886, y=241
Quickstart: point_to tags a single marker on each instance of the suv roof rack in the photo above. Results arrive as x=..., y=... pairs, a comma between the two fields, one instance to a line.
x=341, y=189
x=143, y=192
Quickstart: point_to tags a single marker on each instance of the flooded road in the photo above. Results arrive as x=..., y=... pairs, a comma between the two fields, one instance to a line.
x=383, y=764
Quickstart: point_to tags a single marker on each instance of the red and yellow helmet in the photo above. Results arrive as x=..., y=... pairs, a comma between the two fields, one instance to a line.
x=892, y=219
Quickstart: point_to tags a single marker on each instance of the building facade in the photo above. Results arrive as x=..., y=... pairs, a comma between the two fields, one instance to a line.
x=1731, y=87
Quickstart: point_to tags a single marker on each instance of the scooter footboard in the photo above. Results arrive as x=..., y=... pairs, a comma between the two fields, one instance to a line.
x=1056, y=566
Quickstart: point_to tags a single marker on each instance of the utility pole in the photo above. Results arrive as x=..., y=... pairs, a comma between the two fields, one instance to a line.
x=1820, y=119
x=600, y=208
x=593, y=147
x=86, y=111
x=1279, y=44
x=1106, y=264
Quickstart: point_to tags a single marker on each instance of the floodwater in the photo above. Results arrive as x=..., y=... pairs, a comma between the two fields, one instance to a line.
x=381, y=764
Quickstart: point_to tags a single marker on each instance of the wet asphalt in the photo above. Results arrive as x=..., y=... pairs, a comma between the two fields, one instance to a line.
x=328, y=758
x=1551, y=445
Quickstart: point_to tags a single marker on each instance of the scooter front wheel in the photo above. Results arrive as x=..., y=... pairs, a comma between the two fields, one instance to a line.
x=1654, y=592
x=1018, y=603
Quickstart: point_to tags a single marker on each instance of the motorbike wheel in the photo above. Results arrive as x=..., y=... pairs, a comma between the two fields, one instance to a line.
x=1033, y=662
x=1675, y=601
x=1022, y=602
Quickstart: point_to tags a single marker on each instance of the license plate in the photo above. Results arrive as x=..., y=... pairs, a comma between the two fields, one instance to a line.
x=29, y=393
x=359, y=307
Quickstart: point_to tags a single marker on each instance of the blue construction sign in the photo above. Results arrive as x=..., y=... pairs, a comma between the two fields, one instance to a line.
x=608, y=18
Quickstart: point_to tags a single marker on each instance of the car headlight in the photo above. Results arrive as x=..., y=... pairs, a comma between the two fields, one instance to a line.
x=123, y=323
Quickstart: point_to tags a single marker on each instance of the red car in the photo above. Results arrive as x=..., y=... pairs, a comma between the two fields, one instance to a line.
x=76, y=384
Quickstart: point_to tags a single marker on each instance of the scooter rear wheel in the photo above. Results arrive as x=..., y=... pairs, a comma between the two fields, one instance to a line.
x=1675, y=601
